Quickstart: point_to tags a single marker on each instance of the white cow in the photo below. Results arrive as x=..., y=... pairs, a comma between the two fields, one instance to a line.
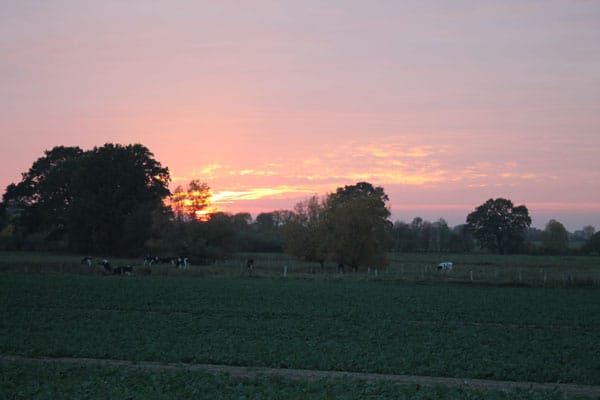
x=445, y=266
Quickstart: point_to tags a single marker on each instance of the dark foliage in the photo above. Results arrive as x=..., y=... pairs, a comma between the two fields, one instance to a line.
x=500, y=226
x=94, y=201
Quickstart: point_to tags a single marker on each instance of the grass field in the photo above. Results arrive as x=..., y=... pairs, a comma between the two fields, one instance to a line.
x=475, y=268
x=361, y=325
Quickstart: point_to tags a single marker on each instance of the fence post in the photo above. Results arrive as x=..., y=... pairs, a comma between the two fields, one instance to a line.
x=285, y=270
x=545, y=277
x=471, y=275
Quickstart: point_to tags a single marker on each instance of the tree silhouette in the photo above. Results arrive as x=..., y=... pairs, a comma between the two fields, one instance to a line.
x=100, y=200
x=191, y=203
x=357, y=229
x=555, y=237
x=498, y=225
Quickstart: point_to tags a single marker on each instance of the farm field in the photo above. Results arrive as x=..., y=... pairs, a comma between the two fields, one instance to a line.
x=463, y=331
x=475, y=268
x=52, y=381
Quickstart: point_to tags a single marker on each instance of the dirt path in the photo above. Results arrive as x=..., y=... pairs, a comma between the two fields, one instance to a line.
x=313, y=375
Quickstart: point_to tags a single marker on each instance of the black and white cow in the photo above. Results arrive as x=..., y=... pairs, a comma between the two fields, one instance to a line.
x=149, y=260
x=445, y=266
x=250, y=266
x=126, y=270
x=87, y=260
x=182, y=262
x=106, y=265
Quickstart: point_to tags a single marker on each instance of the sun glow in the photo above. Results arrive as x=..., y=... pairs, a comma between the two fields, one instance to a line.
x=194, y=204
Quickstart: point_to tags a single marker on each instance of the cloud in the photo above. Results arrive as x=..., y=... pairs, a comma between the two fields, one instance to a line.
x=444, y=170
x=257, y=172
x=256, y=193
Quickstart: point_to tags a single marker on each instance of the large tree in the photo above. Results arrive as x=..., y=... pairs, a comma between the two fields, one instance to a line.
x=117, y=187
x=555, y=237
x=498, y=225
x=101, y=200
x=357, y=229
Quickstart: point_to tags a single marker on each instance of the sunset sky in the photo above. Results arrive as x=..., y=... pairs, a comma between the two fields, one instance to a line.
x=443, y=103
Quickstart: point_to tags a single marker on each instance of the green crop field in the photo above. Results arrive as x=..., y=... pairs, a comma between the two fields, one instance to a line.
x=51, y=381
x=378, y=326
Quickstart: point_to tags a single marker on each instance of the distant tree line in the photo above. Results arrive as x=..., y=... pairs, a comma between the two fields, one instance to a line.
x=114, y=200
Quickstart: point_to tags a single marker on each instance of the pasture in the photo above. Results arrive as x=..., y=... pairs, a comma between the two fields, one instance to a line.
x=472, y=268
x=384, y=326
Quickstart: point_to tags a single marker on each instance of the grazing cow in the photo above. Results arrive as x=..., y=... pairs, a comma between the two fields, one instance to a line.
x=445, y=266
x=87, y=260
x=182, y=262
x=127, y=270
x=250, y=265
x=106, y=266
x=149, y=260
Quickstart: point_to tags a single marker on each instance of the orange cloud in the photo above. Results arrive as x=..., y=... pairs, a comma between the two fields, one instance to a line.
x=391, y=161
x=230, y=196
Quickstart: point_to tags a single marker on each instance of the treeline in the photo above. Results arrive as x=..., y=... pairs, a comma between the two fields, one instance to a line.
x=425, y=236
x=114, y=200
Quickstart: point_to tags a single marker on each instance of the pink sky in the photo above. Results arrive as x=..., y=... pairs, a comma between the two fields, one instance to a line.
x=444, y=104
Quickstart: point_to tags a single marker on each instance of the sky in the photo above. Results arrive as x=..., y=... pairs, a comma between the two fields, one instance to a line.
x=445, y=104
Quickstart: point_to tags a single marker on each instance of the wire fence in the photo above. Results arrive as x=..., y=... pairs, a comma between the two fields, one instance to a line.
x=421, y=268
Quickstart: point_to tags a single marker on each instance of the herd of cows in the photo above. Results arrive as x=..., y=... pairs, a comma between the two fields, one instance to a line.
x=183, y=263
x=178, y=262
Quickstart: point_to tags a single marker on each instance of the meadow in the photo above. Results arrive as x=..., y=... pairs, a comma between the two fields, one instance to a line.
x=472, y=268
x=357, y=322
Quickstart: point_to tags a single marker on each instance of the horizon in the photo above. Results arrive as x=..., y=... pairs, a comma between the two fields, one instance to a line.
x=444, y=105
x=258, y=200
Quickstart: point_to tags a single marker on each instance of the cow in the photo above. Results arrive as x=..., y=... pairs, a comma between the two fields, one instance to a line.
x=127, y=270
x=165, y=260
x=149, y=260
x=182, y=262
x=106, y=265
x=87, y=260
x=445, y=266
x=250, y=266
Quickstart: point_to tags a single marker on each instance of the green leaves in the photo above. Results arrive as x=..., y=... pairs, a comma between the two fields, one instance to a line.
x=350, y=226
x=543, y=335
